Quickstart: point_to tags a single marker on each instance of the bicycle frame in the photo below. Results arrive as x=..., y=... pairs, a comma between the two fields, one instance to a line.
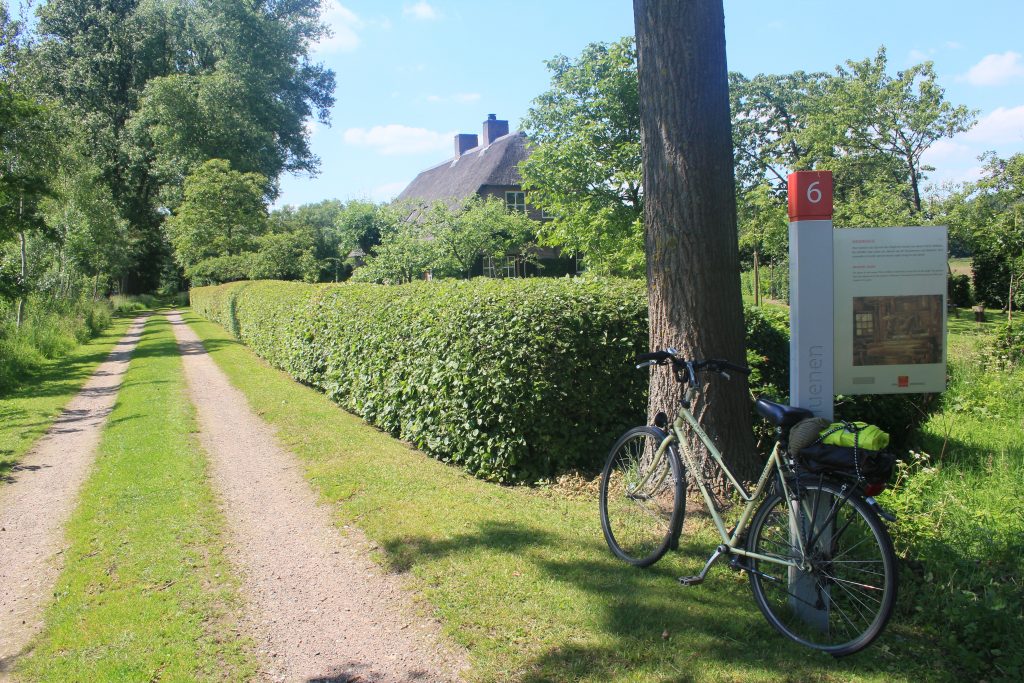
x=774, y=464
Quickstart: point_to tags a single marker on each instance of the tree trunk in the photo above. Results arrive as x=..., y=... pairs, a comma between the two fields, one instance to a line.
x=20, y=318
x=693, y=273
x=757, y=280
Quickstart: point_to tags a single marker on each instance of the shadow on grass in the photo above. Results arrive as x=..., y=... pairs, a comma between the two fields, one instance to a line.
x=645, y=621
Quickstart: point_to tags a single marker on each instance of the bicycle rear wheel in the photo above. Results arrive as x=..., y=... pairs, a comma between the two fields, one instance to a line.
x=844, y=597
x=642, y=501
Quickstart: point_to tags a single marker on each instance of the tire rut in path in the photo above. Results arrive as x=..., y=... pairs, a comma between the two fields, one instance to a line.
x=317, y=606
x=38, y=495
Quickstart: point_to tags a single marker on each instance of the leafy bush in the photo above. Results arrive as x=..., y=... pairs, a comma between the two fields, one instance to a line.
x=1008, y=345
x=960, y=290
x=512, y=380
x=124, y=303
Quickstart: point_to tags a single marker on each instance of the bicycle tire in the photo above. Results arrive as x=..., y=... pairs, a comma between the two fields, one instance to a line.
x=844, y=602
x=641, y=526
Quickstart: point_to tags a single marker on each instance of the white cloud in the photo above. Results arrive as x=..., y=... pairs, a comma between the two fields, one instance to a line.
x=953, y=45
x=422, y=10
x=1003, y=126
x=395, y=139
x=313, y=127
x=434, y=98
x=996, y=69
x=917, y=56
x=343, y=24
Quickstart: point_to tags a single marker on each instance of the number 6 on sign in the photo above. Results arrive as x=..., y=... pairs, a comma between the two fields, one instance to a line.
x=813, y=193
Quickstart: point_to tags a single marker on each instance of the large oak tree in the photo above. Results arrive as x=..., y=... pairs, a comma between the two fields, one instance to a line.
x=690, y=209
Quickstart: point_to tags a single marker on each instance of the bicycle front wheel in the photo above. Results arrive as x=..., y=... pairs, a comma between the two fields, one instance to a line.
x=842, y=597
x=642, y=500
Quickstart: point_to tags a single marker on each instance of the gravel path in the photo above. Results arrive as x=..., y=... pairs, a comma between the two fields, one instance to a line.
x=318, y=607
x=38, y=495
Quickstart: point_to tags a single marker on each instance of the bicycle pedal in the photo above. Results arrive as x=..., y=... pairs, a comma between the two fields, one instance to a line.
x=691, y=580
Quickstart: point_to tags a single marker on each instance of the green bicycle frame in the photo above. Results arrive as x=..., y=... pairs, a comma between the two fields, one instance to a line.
x=775, y=463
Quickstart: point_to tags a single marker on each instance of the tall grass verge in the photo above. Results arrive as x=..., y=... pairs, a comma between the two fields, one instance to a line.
x=960, y=527
x=146, y=593
x=29, y=408
x=51, y=329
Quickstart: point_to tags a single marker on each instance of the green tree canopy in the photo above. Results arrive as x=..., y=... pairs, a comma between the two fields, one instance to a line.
x=222, y=214
x=157, y=88
x=584, y=169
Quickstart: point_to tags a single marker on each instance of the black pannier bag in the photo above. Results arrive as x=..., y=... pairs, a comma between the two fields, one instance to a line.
x=823, y=448
x=872, y=466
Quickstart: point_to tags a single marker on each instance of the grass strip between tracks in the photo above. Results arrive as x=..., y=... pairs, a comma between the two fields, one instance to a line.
x=145, y=593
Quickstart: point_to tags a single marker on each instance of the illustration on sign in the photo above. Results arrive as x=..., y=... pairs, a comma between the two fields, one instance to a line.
x=890, y=313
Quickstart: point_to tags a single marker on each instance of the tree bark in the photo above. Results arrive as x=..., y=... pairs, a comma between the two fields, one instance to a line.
x=693, y=273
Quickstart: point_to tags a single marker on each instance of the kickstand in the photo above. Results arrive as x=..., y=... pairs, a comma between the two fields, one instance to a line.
x=694, y=580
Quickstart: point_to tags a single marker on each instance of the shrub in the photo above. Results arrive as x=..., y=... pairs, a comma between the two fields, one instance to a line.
x=960, y=290
x=1008, y=345
x=512, y=380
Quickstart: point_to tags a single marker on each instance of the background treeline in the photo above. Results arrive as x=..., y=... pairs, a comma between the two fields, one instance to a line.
x=870, y=127
x=106, y=108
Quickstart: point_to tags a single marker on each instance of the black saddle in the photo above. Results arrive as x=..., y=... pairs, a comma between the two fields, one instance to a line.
x=779, y=414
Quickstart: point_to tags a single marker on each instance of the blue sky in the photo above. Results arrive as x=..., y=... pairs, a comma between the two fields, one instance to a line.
x=413, y=73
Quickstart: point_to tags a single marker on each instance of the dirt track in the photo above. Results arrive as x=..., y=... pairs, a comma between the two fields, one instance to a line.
x=317, y=606
x=38, y=495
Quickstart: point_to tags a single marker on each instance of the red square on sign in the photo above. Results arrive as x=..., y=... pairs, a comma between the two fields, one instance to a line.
x=903, y=381
x=810, y=196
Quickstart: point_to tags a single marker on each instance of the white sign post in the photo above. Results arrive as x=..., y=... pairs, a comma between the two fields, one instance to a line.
x=810, y=291
x=810, y=346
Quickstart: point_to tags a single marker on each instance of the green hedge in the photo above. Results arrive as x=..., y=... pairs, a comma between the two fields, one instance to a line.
x=511, y=379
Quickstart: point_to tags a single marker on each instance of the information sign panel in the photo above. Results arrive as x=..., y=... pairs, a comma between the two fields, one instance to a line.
x=890, y=310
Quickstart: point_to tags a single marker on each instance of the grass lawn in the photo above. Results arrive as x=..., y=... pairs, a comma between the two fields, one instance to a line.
x=146, y=593
x=522, y=575
x=29, y=410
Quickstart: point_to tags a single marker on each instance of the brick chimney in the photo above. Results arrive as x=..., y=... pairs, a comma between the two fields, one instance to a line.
x=464, y=142
x=493, y=129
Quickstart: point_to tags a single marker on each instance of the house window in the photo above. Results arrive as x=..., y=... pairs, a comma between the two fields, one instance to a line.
x=504, y=266
x=515, y=201
x=864, y=324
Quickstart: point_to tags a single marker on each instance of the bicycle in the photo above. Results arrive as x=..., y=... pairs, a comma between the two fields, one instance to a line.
x=819, y=558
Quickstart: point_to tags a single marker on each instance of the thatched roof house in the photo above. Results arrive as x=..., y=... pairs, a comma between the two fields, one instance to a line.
x=486, y=166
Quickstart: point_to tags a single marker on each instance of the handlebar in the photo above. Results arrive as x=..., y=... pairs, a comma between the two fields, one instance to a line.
x=692, y=367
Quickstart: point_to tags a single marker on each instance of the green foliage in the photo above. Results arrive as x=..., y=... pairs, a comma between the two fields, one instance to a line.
x=585, y=165
x=284, y=256
x=222, y=215
x=960, y=290
x=157, y=88
x=995, y=215
x=960, y=522
x=360, y=226
x=51, y=329
x=477, y=228
x=510, y=379
x=1008, y=344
